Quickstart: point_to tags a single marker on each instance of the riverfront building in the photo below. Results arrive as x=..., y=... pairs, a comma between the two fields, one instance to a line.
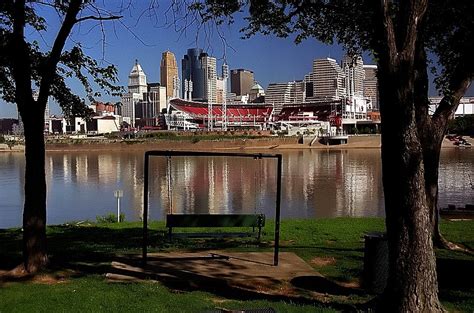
x=328, y=80
x=199, y=76
x=353, y=68
x=143, y=102
x=371, y=86
x=241, y=81
x=169, y=73
x=280, y=94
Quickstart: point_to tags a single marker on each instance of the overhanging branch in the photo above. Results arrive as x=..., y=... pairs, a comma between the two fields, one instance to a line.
x=98, y=18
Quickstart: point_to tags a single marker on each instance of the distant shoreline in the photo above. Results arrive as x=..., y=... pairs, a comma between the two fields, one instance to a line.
x=254, y=144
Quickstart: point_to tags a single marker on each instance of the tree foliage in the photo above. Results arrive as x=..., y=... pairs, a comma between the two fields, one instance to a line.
x=73, y=62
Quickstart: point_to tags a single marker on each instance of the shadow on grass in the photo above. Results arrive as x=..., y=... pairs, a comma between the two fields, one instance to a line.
x=90, y=250
x=455, y=274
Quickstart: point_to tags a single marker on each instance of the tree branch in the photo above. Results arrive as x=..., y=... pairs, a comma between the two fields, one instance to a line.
x=21, y=59
x=389, y=32
x=47, y=73
x=459, y=83
x=99, y=18
x=417, y=9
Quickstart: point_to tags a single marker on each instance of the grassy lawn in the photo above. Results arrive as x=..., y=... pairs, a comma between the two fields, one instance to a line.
x=334, y=247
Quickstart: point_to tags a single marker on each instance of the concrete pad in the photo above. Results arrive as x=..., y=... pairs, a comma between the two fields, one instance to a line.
x=243, y=270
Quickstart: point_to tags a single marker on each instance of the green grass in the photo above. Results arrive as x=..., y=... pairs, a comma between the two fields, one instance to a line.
x=88, y=249
x=92, y=294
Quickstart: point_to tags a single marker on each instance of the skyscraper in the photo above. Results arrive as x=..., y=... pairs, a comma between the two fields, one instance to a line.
x=241, y=81
x=209, y=65
x=200, y=68
x=192, y=71
x=353, y=68
x=371, y=88
x=168, y=72
x=279, y=94
x=329, y=80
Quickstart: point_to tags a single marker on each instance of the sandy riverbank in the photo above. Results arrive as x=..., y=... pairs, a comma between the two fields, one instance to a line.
x=264, y=143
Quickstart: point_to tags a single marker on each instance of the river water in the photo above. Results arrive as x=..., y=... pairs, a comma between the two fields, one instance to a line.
x=316, y=183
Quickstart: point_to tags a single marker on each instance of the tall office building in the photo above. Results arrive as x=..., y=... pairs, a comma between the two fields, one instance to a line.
x=371, y=87
x=168, y=72
x=280, y=94
x=209, y=65
x=201, y=69
x=329, y=80
x=137, y=79
x=221, y=87
x=353, y=68
x=192, y=71
x=241, y=81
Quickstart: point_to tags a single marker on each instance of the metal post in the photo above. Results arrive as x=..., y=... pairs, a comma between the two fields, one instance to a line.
x=118, y=210
x=118, y=194
x=277, y=214
x=145, y=210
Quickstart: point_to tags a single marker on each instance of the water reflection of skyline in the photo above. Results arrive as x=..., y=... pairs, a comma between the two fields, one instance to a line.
x=316, y=183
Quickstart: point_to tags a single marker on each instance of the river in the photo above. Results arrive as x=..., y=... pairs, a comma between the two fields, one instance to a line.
x=316, y=184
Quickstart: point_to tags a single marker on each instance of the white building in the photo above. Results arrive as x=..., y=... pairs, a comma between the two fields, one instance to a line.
x=353, y=68
x=137, y=80
x=129, y=102
x=328, y=80
x=209, y=67
x=280, y=94
x=95, y=126
x=466, y=106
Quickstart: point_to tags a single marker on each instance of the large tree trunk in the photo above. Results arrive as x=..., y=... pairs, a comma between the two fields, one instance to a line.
x=412, y=283
x=34, y=212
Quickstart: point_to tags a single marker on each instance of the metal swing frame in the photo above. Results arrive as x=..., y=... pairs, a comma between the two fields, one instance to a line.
x=149, y=154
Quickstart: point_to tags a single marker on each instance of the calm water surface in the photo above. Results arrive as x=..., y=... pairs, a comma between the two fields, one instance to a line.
x=315, y=184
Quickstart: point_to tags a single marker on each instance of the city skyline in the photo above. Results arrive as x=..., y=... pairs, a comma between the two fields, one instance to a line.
x=147, y=39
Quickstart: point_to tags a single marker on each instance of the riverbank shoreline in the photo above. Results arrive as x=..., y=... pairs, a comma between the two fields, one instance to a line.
x=203, y=144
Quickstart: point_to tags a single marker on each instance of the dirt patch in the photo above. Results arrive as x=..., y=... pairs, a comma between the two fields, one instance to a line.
x=323, y=261
x=351, y=284
x=18, y=275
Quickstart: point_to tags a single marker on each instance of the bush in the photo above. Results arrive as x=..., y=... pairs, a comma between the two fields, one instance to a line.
x=109, y=218
x=195, y=140
x=2, y=139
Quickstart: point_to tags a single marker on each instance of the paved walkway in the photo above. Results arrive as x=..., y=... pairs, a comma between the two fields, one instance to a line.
x=252, y=271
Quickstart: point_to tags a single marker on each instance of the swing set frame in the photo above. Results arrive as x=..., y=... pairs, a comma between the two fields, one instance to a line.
x=149, y=154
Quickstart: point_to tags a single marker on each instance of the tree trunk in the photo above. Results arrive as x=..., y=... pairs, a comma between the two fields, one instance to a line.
x=412, y=283
x=34, y=212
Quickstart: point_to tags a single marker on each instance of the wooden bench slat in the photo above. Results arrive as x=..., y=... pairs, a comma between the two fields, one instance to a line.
x=215, y=220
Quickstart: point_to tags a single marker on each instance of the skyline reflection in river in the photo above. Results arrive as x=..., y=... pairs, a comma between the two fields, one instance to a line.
x=316, y=183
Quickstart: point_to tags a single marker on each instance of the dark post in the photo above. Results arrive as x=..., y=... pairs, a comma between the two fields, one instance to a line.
x=277, y=214
x=145, y=210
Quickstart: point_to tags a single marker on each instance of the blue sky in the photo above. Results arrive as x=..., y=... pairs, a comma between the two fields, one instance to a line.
x=145, y=38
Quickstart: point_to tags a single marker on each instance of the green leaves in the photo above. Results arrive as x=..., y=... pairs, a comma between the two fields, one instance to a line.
x=95, y=77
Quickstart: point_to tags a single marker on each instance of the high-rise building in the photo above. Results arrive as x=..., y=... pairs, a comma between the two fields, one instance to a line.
x=137, y=80
x=156, y=96
x=279, y=94
x=371, y=88
x=192, y=71
x=353, y=68
x=168, y=72
x=199, y=76
x=209, y=66
x=129, y=102
x=241, y=81
x=329, y=80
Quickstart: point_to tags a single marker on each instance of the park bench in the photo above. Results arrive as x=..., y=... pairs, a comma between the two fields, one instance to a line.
x=215, y=220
